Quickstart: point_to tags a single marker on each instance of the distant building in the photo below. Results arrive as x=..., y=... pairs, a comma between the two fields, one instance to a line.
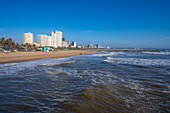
x=28, y=38
x=82, y=47
x=56, y=39
x=64, y=43
x=73, y=45
x=108, y=47
x=48, y=41
x=69, y=43
x=79, y=47
x=100, y=46
x=44, y=40
x=90, y=46
x=97, y=46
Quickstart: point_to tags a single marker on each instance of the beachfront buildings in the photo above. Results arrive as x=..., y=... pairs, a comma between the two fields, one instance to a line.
x=64, y=43
x=44, y=40
x=48, y=41
x=79, y=47
x=90, y=46
x=82, y=46
x=73, y=45
x=56, y=39
x=28, y=38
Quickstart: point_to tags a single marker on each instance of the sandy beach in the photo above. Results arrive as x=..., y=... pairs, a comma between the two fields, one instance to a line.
x=26, y=56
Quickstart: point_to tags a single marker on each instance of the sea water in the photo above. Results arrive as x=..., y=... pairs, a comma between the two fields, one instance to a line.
x=103, y=82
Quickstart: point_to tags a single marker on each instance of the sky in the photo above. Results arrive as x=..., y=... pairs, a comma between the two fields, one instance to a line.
x=114, y=23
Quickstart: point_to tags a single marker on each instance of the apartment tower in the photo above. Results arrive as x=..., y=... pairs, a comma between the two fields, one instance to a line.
x=28, y=38
x=56, y=39
x=44, y=40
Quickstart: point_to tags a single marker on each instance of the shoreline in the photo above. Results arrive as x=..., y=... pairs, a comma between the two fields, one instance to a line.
x=28, y=56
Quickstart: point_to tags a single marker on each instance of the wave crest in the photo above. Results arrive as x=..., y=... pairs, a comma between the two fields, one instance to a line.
x=139, y=61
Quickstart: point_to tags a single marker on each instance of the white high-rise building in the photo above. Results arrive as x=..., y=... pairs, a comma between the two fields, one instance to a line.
x=48, y=40
x=56, y=39
x=44, y=40
x=28, y=38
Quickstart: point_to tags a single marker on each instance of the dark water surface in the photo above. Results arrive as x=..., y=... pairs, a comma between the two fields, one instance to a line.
x=104, y=82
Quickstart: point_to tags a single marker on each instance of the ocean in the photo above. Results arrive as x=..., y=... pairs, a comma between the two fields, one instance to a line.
x=105, y=82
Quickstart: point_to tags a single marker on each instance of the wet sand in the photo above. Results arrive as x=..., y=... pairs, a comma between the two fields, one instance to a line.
x=26, y=56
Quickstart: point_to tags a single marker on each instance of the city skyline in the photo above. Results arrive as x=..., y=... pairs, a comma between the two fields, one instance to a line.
x=114, y=23
x=56, y=41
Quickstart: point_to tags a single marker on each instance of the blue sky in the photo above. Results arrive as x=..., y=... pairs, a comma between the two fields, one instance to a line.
x=117, y=23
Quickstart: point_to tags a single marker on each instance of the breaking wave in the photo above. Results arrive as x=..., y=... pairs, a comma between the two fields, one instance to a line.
x=139, y=61
x=107, y=54
x=157, y=53
x=87, y=84
x=10, y=68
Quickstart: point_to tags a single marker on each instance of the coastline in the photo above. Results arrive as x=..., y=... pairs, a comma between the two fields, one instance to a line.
x=27, y=56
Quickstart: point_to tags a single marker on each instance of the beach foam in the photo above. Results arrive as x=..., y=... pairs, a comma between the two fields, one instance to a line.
x=10, y=68
x=107, y=54
x=139, y=61
x=157, y=53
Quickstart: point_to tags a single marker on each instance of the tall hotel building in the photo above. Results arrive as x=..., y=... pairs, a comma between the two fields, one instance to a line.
x=44, y=40
x=56, y=39
x=28, y=38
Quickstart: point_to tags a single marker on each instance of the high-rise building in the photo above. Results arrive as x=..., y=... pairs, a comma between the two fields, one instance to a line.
x=48, y=40
x=56, y=39
x=44, y=40
x=28, y=38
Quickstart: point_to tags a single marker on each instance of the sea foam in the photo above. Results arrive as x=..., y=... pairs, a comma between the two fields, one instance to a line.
x=139, y=61
x=108, y=54
x=10, y=68
x=157, y=53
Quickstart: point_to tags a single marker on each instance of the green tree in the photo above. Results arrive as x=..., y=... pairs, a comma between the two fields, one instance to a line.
x=34, y=45
x=10, y=40
x=17, y=46
x=7, y=43
x=10, y=43
x=2, y=42
x=23, y=45
x=28, y=45
x=13, y=44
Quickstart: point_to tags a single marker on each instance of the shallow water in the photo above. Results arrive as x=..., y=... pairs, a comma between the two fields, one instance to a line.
x=104, y=82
